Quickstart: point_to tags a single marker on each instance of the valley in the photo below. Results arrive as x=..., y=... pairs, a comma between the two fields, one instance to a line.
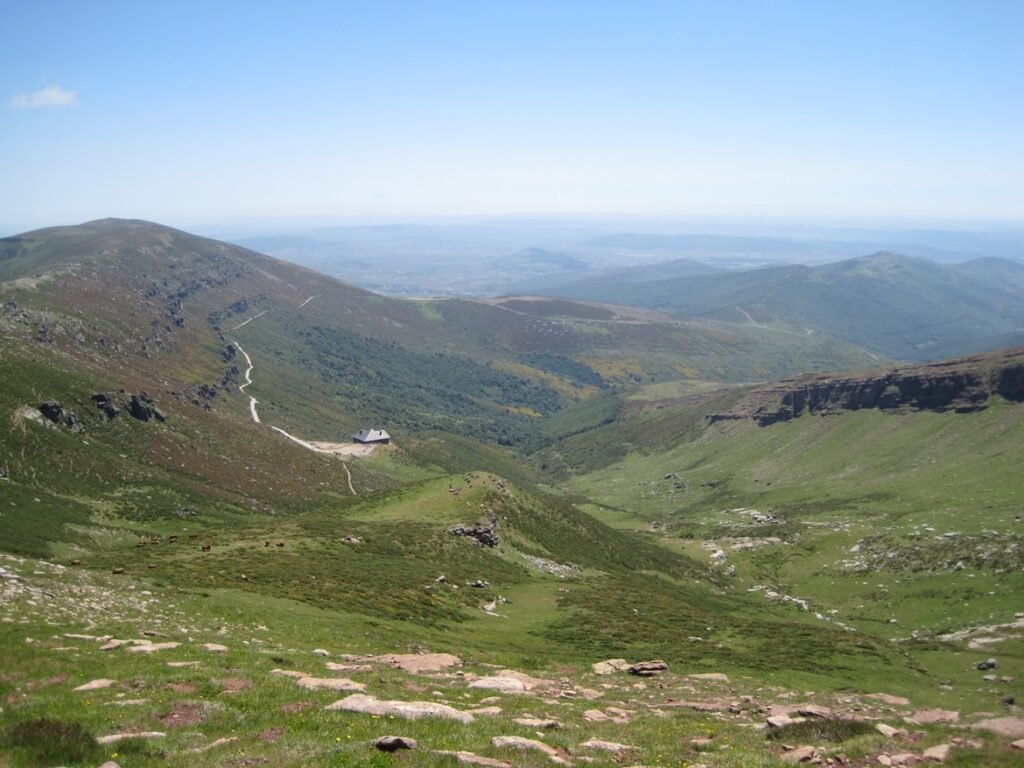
x=572, y=481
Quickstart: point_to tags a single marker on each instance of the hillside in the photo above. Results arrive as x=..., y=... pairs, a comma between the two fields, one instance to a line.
x=900, y=307
x=176, y=472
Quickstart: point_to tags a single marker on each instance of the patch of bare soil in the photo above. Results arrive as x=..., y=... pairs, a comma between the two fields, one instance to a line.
x=297, y=706
x=234, y=684
x=181, y=687
x=182, y=716
x=271, y=734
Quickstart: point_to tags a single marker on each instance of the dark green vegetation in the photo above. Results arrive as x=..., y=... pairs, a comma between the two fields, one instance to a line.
x=897, y=306
x=860, y=551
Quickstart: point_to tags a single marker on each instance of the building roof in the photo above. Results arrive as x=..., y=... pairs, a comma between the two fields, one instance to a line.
x=371, y=435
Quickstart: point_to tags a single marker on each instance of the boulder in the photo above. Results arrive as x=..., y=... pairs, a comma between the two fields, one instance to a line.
x=606, y=746
x=329, y=684
x=537, y=723
x=609, y=666
x=518, y=742
x=502, y=684
x=113, y=738
x=95, y=685
x=813, y=710
x=1018, y=744
x=409, y=710
x=932, y=716
x=889, y=732
x=800, y=755
x=152, y=647
x=1010, y=727
x=468, y=758
x=648, y=668
x=987, y=664
x=936, y=754
x=393, y=743
x=57, y=414
x=142, y=407
x=214, y=647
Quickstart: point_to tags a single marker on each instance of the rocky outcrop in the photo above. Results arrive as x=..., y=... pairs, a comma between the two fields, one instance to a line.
x=962, y=385
x=483, y=535
x=57, y=414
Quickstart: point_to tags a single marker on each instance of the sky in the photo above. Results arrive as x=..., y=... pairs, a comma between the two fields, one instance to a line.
x=195, y=112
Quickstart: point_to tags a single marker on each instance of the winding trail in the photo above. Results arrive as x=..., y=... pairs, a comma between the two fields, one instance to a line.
x=253, y=401
x=248, y=380
x=246, y=322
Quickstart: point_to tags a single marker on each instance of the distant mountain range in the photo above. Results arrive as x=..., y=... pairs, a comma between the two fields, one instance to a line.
x=897, y=306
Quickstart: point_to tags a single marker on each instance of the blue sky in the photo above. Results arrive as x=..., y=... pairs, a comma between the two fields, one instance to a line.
x=192, y=112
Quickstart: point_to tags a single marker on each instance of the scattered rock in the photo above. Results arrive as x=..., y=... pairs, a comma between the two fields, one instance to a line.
x=904, y=758
x=321, y=652
x=800, y=755
x=987, y=664
x=486, y=711
x=814, y=710
x=886, y=698
x=609, y=666
x=715, y=676
x=180, y=664
x=329, y=684
x=214, y=744
x=889, y=732
x=606, y=746
x=537, y=723
x=1011, y=727
x=518, y=742
x=468, y=758
x=936, y=754
x=482, y=535
x=410, y=710
x=214, y=647
x=779, y=721
x=113, y=738
x=393, y=743
x=1019, y=744
x=289, y=673
x=95, y=685
x=648, y=668
x=271, y=734
x=152, y=647
x=931, y=716
x=416, y=663
x=503, y=684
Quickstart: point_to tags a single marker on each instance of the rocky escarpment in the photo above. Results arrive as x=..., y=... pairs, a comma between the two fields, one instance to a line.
x=962, y=385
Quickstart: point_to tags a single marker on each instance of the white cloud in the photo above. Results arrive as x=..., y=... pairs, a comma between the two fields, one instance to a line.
x=54, y=96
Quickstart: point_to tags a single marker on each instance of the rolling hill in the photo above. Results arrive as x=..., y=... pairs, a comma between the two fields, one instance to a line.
x=900, y=307
x=560, y=491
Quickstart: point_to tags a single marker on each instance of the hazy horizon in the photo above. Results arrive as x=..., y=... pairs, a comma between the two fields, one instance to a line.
x=769, y=111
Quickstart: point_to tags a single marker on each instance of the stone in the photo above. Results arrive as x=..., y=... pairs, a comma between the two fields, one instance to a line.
x=214, y=744
x=180, y=664
x=987, y=664
x=595, y=716
x=609, y=666
x=932, y=716
x=321, y=652
x=393, y=743
x=889, y=732
x=537, y=723
x=503, y=684
x=1018, y=744
x=904, y=758
x=715, y=676
x=800, y=755
x=112, y=644
x=289, y=673
x=214, y=647
x=936, y=754
x=779, y=721
x=1010, y=727
x=110, y=764
x=95, y=685
x=329, y=684
x=113, y=738
x=887, y=698
x=813, y=710
x=518, y=742
x=485, y=711
x=648, y=668
x=152, y=647
x=416, y=663
x=409, y=710
x=884, y=760
x=468, y=758
x=606, y=746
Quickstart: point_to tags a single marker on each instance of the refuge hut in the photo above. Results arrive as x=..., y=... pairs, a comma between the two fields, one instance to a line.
x=371, y=437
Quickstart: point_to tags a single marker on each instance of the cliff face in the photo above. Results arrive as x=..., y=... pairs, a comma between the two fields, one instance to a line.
x=962, y=385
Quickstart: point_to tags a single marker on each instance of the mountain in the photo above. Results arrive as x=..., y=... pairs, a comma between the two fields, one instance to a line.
x=596, y=279
x=900, y=307
x=177, y=477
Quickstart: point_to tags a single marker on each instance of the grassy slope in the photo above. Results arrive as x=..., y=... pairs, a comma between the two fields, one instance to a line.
x=863, y=500
x=897, y=306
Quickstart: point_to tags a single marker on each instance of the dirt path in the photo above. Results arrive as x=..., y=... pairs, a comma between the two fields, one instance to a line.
x=246, y=322
x=332, y=449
